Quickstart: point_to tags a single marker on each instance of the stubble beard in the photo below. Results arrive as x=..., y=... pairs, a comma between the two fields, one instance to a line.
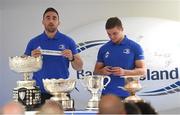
x=117, y=40
x=51, y=29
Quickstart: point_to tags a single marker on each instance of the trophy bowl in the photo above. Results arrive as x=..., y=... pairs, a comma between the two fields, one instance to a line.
x=54, y=86
x=132, y=85
x=60, y=88
x=25, y=64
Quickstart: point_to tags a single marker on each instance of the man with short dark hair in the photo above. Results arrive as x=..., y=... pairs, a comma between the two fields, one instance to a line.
x=50, y=107
x=132, y=108
x=57, y=49
x=146, y=108
x=111, y=104
x=118, y=58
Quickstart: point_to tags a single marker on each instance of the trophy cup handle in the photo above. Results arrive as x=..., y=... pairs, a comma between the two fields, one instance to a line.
x=109, y=79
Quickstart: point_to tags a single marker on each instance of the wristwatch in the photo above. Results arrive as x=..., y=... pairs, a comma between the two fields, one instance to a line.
x=72, y=59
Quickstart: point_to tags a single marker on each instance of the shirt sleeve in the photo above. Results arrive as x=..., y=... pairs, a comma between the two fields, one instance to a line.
x=29, y=48
x=100, y=56
x=73, y=47
x=139, y=53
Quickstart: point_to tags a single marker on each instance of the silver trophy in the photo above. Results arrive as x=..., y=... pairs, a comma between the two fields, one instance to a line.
x=26, y=91
x=95, y=84
x=132, y=85
x=60, y=89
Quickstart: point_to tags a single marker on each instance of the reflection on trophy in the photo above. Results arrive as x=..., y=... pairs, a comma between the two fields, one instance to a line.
x=95, y=84
x=133, y=85
x=60, y=89
x=26, y=91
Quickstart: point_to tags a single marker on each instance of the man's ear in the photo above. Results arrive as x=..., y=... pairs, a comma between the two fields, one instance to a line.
x=59, y=23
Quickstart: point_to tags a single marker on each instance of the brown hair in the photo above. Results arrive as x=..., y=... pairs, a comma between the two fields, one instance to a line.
x=113, y=22
x=50, y=9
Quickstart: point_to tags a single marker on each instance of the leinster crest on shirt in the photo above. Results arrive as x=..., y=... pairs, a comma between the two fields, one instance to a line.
x=61, y=47
x=126, y=51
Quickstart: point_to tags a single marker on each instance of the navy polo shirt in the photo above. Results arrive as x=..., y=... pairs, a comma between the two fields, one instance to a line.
x=121, y=55
x=53, y=66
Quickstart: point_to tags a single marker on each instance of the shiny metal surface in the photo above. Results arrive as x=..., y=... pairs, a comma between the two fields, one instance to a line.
x=95, y=84
x=25, y=64
x=132, y=86
x=60, y=88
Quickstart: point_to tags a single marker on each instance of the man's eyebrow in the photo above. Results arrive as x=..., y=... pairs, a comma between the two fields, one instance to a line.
x=54, y=16
x=47, y=16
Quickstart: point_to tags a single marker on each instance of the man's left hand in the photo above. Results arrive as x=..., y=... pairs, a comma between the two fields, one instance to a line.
x=68, y=54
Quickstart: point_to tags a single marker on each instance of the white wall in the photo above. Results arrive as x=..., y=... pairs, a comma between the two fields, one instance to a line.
x=1, y=48
x=0, y=33
x=21, y=19
x=75, y=13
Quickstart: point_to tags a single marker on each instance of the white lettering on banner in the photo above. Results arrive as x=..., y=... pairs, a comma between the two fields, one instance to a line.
x=160, y=44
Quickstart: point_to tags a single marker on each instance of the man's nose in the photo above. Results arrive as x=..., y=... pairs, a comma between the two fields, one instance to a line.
x=51, y=20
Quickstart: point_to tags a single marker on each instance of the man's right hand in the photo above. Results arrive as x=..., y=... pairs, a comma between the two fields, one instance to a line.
x=36, y=53
x=106, y=70
x=100, y=69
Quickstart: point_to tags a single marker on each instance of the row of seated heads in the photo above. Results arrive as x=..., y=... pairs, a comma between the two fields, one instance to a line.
x=109, y=104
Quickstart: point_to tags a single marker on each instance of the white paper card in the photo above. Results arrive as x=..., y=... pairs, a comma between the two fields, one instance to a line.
x=51, y=52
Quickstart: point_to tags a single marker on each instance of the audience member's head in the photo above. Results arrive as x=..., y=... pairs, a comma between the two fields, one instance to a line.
x=13, y=107
x=146, y=108
x=51, y=107
x=111, y=104
x=131, y=108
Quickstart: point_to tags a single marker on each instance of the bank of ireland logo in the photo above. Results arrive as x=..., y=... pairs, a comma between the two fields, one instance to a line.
x=89, y=44
x=61, y=47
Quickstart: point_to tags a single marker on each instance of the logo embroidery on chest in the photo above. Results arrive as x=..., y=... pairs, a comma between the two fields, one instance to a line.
x=107, y=54
x=126, y=51
x=61, y=47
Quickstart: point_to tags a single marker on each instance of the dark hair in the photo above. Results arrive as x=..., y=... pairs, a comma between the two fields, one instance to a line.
x=50, y=9
x=113, y=22
x=146, y=108
x=131, y=108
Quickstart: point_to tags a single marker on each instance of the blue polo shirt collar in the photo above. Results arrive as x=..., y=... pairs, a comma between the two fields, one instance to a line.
x=55, y=37
x=124, y=41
